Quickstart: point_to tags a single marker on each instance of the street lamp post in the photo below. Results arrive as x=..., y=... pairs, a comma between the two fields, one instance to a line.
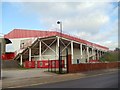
x=60, y=57
x=59, y=22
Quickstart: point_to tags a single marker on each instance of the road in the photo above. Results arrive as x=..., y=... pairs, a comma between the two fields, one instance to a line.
x=109, y=80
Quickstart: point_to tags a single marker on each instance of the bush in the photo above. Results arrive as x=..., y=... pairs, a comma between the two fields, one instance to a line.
x=110, y=56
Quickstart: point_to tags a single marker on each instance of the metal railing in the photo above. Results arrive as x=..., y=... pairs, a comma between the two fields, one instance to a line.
x=28, y=43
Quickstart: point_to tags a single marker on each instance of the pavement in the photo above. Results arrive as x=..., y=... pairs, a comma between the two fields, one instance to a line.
x=8, y=74
x=106, y=80
x=37, y=77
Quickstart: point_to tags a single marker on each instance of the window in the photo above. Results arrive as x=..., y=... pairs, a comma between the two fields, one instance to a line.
x=22, y=45
x=78, y=61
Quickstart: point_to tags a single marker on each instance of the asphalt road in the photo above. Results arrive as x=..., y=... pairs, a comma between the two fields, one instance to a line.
x=109, y=80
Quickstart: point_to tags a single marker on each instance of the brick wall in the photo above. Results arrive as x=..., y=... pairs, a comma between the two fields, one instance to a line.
x=90, y=66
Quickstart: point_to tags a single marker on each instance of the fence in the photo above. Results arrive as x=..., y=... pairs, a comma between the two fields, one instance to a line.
x=29, y=64
x=53, y=65
x=23, y=44
x=90, y=66
x=8, y=56
x=50, y=64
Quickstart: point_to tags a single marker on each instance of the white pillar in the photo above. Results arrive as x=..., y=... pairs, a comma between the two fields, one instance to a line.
x=92, y=53
x=97, y=55
x=29, y=54
x=57, y=47
x=81, y=52
x=40, y=50
x=100, y=53
x=21, y=59
x=72, y=53
x=58, y=40
x=87, y=54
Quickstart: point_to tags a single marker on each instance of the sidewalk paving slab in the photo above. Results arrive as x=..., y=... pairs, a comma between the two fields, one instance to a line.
x=16, y=83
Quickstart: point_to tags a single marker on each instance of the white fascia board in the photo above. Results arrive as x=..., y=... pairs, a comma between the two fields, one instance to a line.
x=71, y=40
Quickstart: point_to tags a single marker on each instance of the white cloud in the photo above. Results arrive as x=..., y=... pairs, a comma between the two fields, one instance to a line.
x=79, y=16
x=110, y=44
x=60, y=0
x=93, y=21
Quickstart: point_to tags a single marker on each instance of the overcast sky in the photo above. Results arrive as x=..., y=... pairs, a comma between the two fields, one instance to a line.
x=93, y=21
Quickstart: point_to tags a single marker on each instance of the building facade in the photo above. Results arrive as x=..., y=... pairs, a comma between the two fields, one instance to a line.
x=33, y=45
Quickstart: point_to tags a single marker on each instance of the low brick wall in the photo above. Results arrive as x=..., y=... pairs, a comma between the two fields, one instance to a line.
x=90, y=66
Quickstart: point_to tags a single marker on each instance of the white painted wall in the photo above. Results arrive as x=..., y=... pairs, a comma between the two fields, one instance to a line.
x=52, y=56
x=50, y=53
x=15, y=44
x=77, y=55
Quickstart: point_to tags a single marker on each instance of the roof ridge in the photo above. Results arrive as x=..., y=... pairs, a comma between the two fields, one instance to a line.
x=48, y=33
x=33, y=30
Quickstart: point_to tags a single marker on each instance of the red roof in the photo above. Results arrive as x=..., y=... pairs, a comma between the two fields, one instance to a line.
x=23, y=33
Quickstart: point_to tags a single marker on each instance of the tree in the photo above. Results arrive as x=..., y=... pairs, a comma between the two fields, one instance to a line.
x=117, y=49
x=110, y=56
